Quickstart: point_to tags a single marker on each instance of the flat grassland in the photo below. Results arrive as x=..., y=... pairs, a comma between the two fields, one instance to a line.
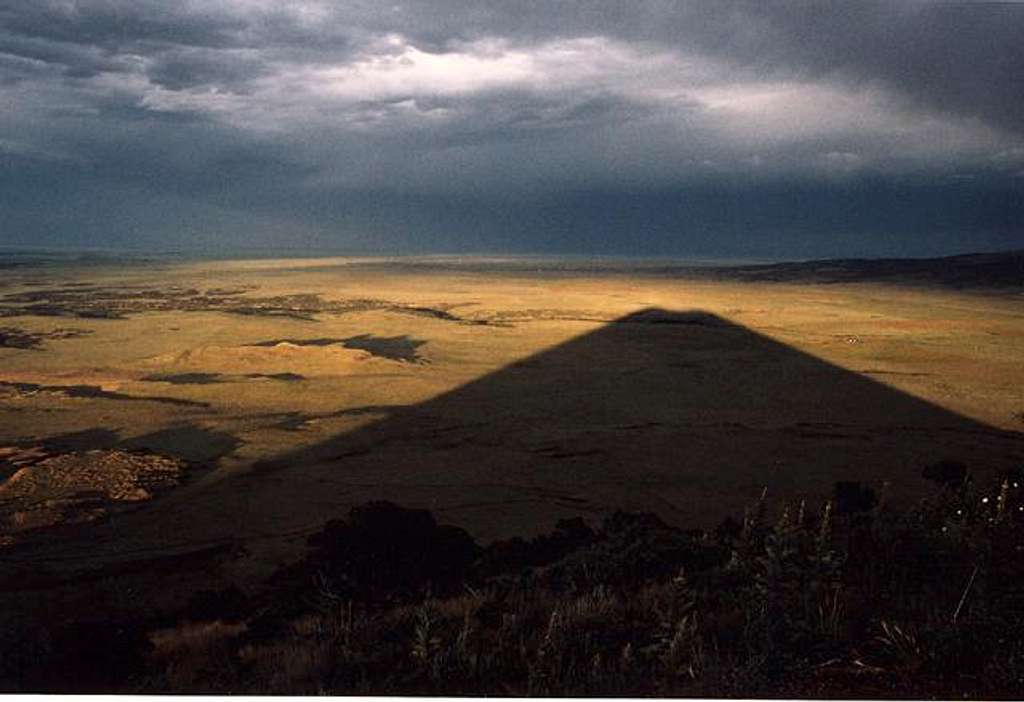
x=270, y=396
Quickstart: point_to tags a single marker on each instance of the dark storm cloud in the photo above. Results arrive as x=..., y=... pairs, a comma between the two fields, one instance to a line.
x=114, y=26
x=965, y=57
x=961, y=57
x=184, y=68
x=514, y=125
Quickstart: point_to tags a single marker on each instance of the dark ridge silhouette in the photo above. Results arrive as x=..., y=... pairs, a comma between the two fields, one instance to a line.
x=985, y=271
x=1001, y=271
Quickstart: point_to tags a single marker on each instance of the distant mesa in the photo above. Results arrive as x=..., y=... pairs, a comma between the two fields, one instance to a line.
x=979, y=271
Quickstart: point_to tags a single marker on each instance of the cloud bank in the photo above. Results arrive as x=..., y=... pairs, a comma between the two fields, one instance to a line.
x=649, y=128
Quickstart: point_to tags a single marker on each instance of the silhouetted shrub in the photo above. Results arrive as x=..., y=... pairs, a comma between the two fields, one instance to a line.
x=728, y=530
x=383, y=551
x=950, y=473
x=630, y=549
x=228, y=605
x=852, y=497
x=89, y=656
x=515, y=555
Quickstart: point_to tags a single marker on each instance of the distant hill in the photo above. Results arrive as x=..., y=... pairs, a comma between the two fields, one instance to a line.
x=1003, y=270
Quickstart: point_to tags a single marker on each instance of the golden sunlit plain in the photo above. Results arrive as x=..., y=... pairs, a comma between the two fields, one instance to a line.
x=236, y=364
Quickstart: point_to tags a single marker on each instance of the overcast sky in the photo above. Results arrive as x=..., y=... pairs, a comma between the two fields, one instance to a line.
x=637, y=128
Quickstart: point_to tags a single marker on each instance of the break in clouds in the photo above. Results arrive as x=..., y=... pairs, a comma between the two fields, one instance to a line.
x=638, y=128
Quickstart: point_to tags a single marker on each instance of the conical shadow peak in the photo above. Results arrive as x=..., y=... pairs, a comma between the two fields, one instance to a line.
x=682, y=413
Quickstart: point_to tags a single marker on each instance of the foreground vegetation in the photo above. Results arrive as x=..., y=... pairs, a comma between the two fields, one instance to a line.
x=853, y=599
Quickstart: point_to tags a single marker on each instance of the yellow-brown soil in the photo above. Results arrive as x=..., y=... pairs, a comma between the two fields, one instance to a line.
x=535, y=396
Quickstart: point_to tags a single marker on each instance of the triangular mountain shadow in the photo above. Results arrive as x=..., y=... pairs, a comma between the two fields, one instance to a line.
x=683, y=414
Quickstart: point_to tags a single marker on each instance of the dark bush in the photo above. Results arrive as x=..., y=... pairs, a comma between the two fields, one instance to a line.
x=852, y=497
x=950, y=473
x=227, y=605
x=383, y=551
x=88, y=656
x=513, y=556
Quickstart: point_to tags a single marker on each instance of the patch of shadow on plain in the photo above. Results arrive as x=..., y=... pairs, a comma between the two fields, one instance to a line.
x=293, y=421
x=51, y=310
x=16, y=338
x=284, y=377
x=75, y=441
x=296, y=421
x=216, y=378
x=436, y=313
x=186, y=378
x=13, y=338
x=262, y=312
x=188, y=442
x=85, y=440
x=396, y=348
x=1002, y=270
x=96, y=392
